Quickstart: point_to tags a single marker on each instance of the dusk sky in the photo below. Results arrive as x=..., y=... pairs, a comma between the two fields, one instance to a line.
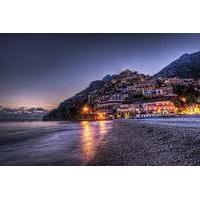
x=45, y=69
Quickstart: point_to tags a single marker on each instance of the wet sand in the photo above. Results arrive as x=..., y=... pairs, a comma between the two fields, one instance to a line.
x=150, y=143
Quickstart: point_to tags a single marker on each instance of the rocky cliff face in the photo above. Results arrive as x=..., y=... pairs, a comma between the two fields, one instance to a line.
x=70, y=108
x=187, y=66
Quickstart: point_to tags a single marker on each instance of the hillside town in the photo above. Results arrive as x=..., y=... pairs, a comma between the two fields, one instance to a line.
x=130, y=94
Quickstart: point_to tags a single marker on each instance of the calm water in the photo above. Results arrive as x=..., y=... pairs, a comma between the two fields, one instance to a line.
x=50, y=143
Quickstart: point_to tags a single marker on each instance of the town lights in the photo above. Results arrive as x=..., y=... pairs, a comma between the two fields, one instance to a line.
x=183, y=99
x=192, y=110
x=86, y=109
x=101, y=116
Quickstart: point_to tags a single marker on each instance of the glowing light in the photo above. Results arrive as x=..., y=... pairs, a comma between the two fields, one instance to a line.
x=126, y=115
x=87, y=140
x=89, y=130
x=86, y=109
x=183, y=99
x=102, y=127
x=101, y=116
x=192, y=110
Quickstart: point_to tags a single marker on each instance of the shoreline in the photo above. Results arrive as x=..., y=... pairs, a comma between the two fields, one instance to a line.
x=136, y=143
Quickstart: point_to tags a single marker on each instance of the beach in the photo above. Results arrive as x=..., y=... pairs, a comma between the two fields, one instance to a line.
x=121, y=142
x=151, y=142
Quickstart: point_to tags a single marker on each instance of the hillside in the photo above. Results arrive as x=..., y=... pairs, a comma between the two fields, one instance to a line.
x=70, y=108
x=187, y=66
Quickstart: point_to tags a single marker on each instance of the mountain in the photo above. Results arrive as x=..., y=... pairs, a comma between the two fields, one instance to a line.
x=187, y=66
x=70, y=108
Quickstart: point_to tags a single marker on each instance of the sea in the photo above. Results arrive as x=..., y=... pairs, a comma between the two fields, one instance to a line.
x=50, y=143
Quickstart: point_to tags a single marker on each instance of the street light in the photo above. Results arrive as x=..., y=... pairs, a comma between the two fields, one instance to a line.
x=183, y=99
x=86, y=109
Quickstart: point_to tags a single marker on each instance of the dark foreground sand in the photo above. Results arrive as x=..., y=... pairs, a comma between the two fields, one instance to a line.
x=133, y=143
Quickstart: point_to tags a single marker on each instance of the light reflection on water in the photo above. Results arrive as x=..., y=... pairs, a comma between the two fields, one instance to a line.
x=103, y=129
x=49, y=143
x=87, y=139
x=89, y=130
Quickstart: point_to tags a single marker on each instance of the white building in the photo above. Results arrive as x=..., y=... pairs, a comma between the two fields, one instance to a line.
x=128, y=110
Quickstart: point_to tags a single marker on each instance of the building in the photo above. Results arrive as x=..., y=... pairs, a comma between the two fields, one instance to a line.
x=161, y=91
x=152, y=92
x=174, y=81
x=110, y=104
x=167, y=90
x=159, y=107
x=103, y=113
x=128, y=110
x=178, y=81
x=138, y=88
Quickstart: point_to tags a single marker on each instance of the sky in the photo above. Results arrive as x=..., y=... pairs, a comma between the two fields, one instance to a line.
x=42, y=70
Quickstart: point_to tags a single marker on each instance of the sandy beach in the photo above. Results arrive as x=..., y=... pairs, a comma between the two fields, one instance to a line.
x=151, y=143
